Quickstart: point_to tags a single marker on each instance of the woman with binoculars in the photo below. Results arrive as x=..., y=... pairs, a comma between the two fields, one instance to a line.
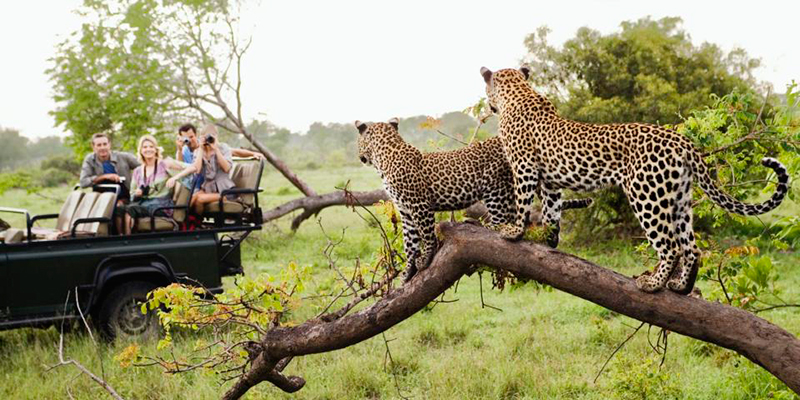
x=212, y=160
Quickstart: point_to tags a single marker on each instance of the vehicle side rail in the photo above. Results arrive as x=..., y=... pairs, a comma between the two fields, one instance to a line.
x=35, y=218
x=20, y=211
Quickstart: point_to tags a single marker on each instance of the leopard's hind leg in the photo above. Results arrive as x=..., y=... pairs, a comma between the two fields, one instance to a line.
x=682, y=280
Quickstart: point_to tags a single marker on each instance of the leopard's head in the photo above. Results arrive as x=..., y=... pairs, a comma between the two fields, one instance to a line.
x=371, y=136
x=498, y=85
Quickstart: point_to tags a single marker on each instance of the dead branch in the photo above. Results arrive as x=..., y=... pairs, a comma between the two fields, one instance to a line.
x=464, y=245
x=62, y=361
x=311, y=205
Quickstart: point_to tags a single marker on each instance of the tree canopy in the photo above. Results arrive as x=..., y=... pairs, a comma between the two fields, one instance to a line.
x=649, y=71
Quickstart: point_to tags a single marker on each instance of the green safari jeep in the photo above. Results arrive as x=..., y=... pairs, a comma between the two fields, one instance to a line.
x=81, y=267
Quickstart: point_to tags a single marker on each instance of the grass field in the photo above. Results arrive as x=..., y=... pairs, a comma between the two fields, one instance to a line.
x=542, y=345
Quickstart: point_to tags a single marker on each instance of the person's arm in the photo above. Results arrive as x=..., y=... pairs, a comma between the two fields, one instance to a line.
x=192, y=168
x=246, y=153
x=175, y=165
x=88, y=177
x=179, y=148
x=224, y=159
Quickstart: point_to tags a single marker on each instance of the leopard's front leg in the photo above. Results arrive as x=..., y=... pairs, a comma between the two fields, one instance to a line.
x=526, y=180
x=551, y=213
x=419, y=239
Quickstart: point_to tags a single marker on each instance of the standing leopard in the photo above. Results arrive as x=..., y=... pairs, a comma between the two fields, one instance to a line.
x=421, y=184
x=654, y=166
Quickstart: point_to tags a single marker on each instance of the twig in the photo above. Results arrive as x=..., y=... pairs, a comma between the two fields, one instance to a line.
x=62, y=361
x=388, y=356
x=481, y=121
x=753, y=135
x=451, y=137
x=721, y=282
x=483, y=304
x=616, y=350
x=774, y=307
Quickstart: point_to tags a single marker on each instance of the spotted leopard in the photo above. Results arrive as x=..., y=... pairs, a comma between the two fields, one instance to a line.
x=654, y=166
x=423, y=183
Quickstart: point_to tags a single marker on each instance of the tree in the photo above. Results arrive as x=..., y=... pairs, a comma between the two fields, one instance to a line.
x=137, y=66
x=14, y=150
x=648, y=72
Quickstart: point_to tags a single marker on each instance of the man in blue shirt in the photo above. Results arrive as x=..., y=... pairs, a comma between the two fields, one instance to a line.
x=106, y=166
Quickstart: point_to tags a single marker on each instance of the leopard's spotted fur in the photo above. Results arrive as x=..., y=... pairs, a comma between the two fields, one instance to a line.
x=654, y=166
x=423, y=183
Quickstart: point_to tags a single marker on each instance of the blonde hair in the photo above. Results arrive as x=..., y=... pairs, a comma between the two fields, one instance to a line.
x=209, y=128
x=151, y=139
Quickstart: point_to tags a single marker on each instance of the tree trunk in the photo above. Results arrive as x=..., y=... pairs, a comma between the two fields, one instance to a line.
x=279, y=164
x=464, y=245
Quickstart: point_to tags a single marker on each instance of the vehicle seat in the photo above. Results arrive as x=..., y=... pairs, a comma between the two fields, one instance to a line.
x=103, y=208
x=244, y=175
x=82, y=211
x=64, y=216
x=181, y=197
x=12, y=235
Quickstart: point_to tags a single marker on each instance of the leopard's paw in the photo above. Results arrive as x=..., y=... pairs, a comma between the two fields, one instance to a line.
x=511, y=232
x=645, y=282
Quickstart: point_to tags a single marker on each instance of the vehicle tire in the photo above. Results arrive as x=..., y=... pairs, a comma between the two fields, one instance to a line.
x=121, y=314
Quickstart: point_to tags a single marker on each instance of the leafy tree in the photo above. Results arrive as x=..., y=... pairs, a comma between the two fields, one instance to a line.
x=146, y=66
x=648, y=72
x=14, y=149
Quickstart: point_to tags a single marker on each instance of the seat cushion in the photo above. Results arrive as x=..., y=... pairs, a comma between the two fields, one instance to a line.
x=162, y=224
x=180, y=198
x=68, y=210
x=227, y=206
x=246, y=176
x=12, y=235
x=84, y=209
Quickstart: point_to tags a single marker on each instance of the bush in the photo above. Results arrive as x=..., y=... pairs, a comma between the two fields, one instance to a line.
x=52, y=177
x=63, y=163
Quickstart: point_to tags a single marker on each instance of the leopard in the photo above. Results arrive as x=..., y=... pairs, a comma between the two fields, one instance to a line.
x=422, y=183
x=654, y=166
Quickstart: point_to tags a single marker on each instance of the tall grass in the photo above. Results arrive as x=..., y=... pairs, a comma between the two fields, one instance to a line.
x=544, y=344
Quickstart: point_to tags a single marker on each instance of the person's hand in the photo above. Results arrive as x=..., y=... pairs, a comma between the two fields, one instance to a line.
x=258, y=155
x=179, y=142
x=112, y=177
x=170, y=183
x=138, y=193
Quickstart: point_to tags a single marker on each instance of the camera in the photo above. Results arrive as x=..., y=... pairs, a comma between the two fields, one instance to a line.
x=209, y=139
x=186, y=141
x=145, y=190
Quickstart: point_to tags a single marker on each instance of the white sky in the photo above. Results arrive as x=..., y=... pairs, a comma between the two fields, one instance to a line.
x=338, y=61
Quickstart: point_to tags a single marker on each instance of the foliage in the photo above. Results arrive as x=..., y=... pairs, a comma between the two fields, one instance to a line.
x=634, y=379
x=236, y=319
x=649, y=71
x=120, y=73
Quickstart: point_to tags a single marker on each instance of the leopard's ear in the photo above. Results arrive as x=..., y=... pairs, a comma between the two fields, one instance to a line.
x=395, y=122
x=361, y=126
x=526, y=71
x=487, y=74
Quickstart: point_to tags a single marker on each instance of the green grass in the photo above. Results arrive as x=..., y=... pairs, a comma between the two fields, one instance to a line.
x=542, y=345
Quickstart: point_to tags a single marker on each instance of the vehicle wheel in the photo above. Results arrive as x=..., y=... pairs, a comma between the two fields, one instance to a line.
x=121, y=313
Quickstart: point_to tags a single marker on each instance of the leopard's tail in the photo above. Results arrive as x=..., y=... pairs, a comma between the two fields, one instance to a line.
x=730, y=204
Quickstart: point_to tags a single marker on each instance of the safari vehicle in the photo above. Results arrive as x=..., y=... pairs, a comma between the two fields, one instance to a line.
x=80, y=268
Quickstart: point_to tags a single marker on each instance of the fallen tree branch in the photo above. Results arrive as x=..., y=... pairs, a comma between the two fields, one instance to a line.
x=311, y=205
x=464, y=245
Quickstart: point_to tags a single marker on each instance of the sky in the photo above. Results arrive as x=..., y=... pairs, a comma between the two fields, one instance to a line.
x=338, y=61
